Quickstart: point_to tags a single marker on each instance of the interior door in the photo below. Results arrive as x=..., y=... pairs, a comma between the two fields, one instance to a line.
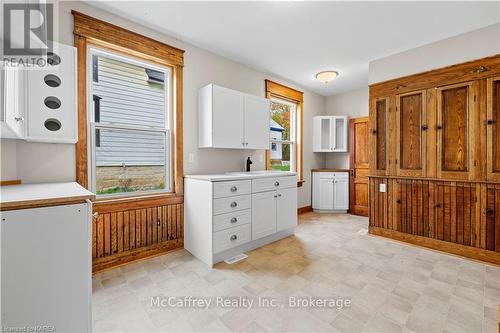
x=358, y=160
x=493, y=128
x=411, y=130
x=379, y=126
x=263, y=214
x=227, y=119
x=256, y=120
x=455, y=131
x=326, y=193
x=340, y=194
x=286, y=216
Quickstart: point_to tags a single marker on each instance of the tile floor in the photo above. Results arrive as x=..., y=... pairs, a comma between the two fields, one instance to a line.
x=392, y=287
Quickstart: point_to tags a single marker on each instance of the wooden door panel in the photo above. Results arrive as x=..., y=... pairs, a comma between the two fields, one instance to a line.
x=455, y=125
x=411, y=129
x=493, y=128
x=381, y=114
x=359, y=166
x=378, y=136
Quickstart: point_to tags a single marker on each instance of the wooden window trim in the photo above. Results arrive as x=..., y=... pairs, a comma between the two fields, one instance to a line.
x=91, y=31
x=280, y=91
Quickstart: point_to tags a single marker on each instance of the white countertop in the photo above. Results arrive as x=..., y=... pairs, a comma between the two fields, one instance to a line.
x=38, y=195
x=241, y=175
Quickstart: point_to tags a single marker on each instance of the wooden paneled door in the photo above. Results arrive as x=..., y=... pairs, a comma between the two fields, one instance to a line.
x=411, y=131
x=456, y=131
x=493, y=128
x=358, y=160
x=379, y=136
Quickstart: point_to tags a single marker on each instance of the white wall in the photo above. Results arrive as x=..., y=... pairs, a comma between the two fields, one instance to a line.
x=50, y=162
x=353, y=104
x=454, y=50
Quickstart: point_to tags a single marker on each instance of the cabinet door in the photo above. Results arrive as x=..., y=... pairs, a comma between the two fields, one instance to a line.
x=227, y=122
x=341, y=193
x=340, y=134
x=323, y=136
x=325, y=193
x=379, y=125
x=286, y=216
x=12, y=103
x=493, y=128
x=456, y=115
x=411, y=129
x=263, y=214
x=256, y=119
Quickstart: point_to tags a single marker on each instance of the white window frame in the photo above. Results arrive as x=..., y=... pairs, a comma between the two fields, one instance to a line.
x=93, y=50
x=293, y=135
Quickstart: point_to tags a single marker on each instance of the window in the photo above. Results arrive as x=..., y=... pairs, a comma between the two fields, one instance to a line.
x=282, y=135
x=285, y=151
x=129, y=124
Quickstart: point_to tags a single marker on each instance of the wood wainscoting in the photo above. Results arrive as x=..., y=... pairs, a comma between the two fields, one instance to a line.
x=128, y=230
x=462, y=218
x=435, y=144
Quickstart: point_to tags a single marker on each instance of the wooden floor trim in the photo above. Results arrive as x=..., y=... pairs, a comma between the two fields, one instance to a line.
x=303, y=210
x=482, y=255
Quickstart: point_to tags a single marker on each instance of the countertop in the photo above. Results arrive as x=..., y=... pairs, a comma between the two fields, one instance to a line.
x=240, y=175
x=330, y=170
x=40, y=195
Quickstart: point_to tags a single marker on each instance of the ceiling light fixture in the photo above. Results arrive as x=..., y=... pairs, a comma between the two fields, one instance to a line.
x=326, y=76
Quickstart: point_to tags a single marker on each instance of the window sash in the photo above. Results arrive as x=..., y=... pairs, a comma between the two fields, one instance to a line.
x=167, y=166
x=293, y=153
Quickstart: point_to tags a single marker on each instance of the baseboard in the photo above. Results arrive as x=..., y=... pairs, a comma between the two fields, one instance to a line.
x=303, y=210
x=474, y=253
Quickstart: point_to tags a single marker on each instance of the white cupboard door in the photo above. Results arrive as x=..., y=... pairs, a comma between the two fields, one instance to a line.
x=257, y=113
x=340, y=130
x=263, y=214
x=326, y=193
x=12, y=103
x=341, y=194
x=286, y=212
x=323, y=138
x=227, y=119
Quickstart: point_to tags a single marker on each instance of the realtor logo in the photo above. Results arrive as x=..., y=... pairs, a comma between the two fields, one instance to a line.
x=28, y=29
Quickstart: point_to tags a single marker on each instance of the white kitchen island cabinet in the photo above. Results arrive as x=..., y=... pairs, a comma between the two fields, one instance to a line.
x=46, y=276
x=228, y=214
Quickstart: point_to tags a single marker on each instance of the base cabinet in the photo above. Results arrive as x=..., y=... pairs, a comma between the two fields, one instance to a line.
x=330, y=191
x=46, y=268
x=243, y=214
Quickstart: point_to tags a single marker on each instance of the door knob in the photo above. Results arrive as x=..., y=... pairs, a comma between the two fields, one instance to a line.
x=234, y=220
x=233, y=204
x=234, y=237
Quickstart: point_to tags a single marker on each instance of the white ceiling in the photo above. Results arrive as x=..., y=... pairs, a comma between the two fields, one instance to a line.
x=295, y=40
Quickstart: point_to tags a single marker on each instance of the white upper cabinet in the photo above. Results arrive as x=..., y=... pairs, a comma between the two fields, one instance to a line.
x=232, y=119
x=40, y=104
x=330, y=134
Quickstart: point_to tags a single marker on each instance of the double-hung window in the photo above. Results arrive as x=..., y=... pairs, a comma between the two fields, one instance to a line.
x=130, y=119
x=282, y=135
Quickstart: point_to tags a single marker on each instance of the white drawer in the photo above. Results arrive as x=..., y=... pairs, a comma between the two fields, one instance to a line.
x=229, y=220
x=229, y=238
x=232, y=204
x=273, y=183
x=227, y=189
x=342, y=175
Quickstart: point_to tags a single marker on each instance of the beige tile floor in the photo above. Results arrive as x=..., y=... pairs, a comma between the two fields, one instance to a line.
x=392, y=287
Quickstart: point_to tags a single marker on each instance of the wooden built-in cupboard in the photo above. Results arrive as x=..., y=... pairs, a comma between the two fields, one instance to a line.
x=435, y=144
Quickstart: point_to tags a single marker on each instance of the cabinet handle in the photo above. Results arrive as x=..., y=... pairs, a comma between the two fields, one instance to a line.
x=19, y=118
x=437, y=205
x=424, y=127
x=489, y=211
x=277, y=184
x=234, y=189
x=234, y=237
x=490, y=121
x=398, y=201
x=233, y=204
x=275, y=196
x=374, y=132
x=234, y=220
x=439, y=127
x=279, y=195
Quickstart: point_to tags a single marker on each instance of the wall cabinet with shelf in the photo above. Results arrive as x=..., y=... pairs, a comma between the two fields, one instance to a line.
x=231, y=119
x=330, y=134
x=39, y=104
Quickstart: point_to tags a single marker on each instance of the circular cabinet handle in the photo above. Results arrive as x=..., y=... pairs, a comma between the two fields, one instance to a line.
x=277, y=183
x=439, y=127
x=19, y=118
x=233, y=204
x=234, y=237
x=234, y=220
x=489, y=210
x=234, y=189
x=275, y=196
x=398, y=201
x=490, y=121
x=437, y=205
x=374, y=132
x=424, y=127
x=279, y=195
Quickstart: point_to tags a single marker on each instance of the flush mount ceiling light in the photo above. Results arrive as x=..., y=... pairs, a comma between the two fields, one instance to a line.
x=326, y=76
